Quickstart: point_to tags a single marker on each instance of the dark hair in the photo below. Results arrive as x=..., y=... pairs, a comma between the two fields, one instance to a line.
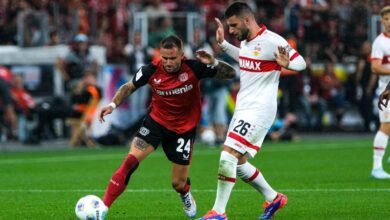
x=385, y=10
x=171, y=42
x=239, y=9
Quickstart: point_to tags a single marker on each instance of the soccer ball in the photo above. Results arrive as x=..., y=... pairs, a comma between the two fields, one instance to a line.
x=208, y=137
x=90, y=207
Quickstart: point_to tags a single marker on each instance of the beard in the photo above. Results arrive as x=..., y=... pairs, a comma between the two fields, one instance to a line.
x=244, y=33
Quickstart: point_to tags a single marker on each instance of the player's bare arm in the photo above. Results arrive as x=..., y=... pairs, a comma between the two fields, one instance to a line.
x=378, y=68
x=123, y=92
x=384, y=98
x=224, y=70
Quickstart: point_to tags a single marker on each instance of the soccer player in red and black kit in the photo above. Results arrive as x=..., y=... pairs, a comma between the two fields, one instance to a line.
x=175, y=111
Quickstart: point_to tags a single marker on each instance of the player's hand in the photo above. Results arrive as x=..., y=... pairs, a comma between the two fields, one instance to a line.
x=105, y=111
x=282, y=57
x=204, y=57
x=384, y=99
x=220, y=33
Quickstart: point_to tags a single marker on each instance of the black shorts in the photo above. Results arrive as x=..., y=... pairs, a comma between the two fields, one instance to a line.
x=177, y=147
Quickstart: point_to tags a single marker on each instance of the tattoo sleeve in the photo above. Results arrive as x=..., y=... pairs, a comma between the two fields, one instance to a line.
x=123, y=92
x=225, y=71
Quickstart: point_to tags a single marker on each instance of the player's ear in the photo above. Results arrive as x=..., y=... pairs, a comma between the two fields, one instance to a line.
x=247, y=20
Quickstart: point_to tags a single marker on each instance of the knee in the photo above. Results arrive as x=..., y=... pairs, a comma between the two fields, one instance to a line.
x=227, y=164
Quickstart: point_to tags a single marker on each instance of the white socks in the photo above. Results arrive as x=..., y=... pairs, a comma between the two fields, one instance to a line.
x=249, y=174
x=380, y=144
x=226, y=180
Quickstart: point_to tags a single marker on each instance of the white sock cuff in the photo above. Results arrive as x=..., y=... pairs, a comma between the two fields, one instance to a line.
x=245, y=170
x=228, y=157
x=381, y=139
x=227, y=166
x=382, y=134
x=242, y=166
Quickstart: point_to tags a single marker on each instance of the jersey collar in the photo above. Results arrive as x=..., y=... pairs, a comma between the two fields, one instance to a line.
x=260, y=32
x=386, y=34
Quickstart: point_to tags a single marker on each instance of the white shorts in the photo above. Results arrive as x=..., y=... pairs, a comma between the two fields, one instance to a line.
x=246, y=133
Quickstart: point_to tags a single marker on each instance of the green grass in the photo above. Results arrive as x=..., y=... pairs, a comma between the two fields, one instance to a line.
x=323, y=180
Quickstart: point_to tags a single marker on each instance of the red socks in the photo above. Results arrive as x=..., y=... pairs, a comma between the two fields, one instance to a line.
x=119, y=180
x=186, y=188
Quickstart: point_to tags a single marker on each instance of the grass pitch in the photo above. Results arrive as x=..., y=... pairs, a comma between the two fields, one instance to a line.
x=323, y=179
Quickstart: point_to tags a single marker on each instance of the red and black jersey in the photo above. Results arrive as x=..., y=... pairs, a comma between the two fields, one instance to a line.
x=175, y=96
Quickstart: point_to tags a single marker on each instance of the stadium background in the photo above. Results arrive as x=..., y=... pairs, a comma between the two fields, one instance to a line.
x=34, y=34
x=324, y=171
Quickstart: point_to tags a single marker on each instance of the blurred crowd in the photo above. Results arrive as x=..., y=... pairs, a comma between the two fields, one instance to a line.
x=320, y=28
x=332, y=35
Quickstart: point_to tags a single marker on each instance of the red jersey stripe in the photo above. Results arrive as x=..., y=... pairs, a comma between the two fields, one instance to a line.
x=295, y=55
x=379, y=148
x=386, y=59
x=243, y=141
x=254, y=65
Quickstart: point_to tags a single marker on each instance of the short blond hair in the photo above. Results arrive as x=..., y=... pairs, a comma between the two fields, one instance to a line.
x=385, y=10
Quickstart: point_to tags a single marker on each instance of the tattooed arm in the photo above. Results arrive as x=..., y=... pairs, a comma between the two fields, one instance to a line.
x=224, y=70
x=123, y=92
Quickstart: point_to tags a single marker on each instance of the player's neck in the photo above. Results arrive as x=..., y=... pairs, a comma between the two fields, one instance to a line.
x=174, y=72
x=254, y=31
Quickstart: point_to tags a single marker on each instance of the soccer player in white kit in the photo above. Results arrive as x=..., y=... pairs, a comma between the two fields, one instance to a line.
x=261, y=56
x=380, y=65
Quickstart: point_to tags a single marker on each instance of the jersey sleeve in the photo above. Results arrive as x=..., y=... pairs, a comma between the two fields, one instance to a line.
x=201, y=70
x=297, y=62
x=231, y=50
x=277, y=41
x=377, y=52
x=292, y=53
x=143, y=74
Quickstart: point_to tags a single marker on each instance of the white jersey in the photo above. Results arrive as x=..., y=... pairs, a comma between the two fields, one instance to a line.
x=259, y=73
x=381, y=51
x=259, y=79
